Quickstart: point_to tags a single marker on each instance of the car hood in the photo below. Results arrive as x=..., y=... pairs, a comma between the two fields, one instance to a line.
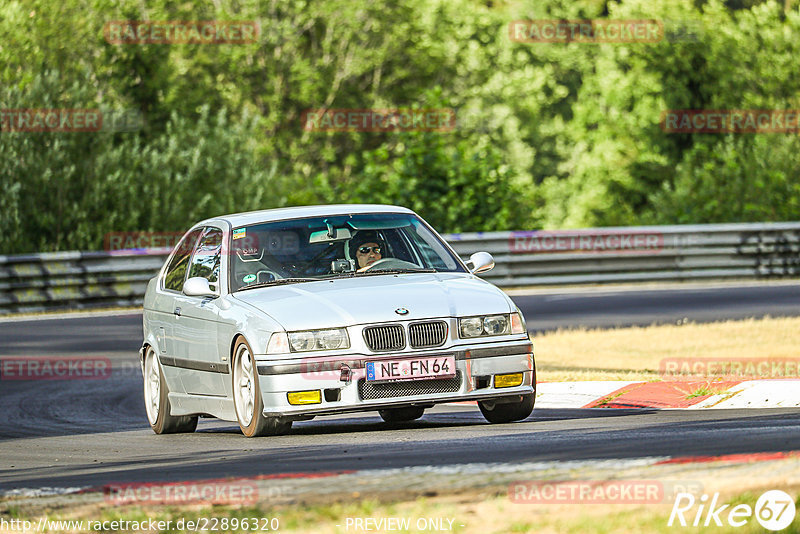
x=374, y=299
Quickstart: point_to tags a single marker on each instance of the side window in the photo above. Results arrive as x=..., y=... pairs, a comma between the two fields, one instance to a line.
x=205, y=260
x=176, y=270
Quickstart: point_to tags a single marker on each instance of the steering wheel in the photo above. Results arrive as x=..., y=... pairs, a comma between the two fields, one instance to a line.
x=390, y=263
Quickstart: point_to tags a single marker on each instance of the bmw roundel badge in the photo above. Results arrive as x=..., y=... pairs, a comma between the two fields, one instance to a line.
x=401, y=311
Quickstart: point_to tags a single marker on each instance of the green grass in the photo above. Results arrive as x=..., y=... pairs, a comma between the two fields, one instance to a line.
x=606, y=400
x=702, y=391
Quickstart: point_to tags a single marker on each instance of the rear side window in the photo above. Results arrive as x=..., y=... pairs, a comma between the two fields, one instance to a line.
x=176, y=270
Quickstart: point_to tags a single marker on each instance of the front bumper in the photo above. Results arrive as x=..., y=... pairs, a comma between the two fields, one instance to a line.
x=476, y=367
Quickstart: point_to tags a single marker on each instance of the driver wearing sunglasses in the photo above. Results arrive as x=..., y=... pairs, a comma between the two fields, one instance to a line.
x=367, y=254
x=368, y=248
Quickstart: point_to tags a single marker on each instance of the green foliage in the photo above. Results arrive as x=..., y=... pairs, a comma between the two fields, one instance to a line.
x=67, y=190
x=554, y=135
x=452, y=185
x=746, y=178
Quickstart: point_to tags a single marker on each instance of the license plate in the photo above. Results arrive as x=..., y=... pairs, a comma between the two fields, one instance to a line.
x=413, y=369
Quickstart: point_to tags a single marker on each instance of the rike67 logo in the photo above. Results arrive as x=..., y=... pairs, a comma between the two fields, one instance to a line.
x=774, y=510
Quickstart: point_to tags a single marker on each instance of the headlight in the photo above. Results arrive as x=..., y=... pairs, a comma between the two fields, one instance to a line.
x=302, y=341
x=489, y=325
x=331, y=339
x=471, y=327
x=494, y=325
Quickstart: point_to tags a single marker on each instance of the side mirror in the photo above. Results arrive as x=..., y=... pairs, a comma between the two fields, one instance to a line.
x=480, y=262
x=198, y=286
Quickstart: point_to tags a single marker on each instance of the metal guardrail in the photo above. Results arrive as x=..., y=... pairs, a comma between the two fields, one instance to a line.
x=80, y=280
x=664, y=253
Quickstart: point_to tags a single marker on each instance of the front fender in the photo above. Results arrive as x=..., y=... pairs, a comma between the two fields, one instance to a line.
x=243, y=319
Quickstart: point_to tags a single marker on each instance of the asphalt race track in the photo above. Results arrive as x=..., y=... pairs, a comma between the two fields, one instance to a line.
x=80, y=433
x=121, y=335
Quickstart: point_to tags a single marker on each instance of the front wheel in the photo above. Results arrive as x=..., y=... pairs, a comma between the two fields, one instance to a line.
x=507, y=412
x=156, y=400
x=247, y=397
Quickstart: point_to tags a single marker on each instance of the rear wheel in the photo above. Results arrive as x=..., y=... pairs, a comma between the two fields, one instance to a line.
x=247, y=397
x=400, y=415
x=156, y=399
x=495, y=412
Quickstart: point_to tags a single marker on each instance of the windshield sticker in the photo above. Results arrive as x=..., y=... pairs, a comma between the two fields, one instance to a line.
x=248, y=278
x=239, y=233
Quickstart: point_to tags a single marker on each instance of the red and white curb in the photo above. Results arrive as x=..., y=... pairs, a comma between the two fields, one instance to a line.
x=695, y=394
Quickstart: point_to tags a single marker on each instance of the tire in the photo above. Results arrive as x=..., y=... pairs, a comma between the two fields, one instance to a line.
x=247, y=400
x=507, y=413
x=401, y=415
x=156, y=400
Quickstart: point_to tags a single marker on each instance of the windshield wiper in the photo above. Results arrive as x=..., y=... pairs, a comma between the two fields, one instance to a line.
x=278, y=282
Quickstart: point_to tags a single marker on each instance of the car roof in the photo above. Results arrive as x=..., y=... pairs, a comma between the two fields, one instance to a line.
x=298, y=212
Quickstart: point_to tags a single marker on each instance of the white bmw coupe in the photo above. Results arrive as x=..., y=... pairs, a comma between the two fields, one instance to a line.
x=276, y=316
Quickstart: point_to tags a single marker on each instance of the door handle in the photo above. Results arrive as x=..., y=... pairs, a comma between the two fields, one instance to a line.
x=177, y=311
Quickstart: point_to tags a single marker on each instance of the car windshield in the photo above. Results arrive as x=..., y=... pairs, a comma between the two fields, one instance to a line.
x=318, y=248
